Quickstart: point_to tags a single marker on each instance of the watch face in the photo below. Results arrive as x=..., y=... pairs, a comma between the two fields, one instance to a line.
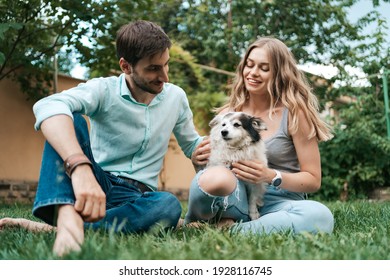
x=277, y=182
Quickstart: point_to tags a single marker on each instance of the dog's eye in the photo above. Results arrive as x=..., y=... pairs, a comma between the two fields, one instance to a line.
x=236, y=125
x=223, y=124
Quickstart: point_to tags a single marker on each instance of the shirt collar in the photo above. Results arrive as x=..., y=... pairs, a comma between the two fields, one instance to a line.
x=126, y=93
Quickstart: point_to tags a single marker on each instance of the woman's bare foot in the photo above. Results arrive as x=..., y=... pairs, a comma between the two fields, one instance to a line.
x=180, y=223
x=70, y=231
x=26, y=224
x=196, y=225
x=225, y=223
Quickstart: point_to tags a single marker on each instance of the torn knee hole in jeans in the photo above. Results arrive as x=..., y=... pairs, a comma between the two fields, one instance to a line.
x=224, y=202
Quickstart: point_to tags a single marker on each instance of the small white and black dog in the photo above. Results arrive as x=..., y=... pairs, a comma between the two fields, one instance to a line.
x=236, y=136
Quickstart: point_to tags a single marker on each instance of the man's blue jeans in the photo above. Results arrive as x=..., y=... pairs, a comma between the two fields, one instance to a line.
x=128, y=209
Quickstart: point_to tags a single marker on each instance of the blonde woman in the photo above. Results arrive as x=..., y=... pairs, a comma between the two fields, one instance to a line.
x=268, y=85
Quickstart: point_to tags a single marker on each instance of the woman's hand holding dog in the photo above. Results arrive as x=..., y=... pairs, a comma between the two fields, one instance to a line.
x=254, y=172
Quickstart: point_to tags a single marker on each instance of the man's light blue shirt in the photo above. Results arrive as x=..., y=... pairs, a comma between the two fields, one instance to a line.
x=128, y=138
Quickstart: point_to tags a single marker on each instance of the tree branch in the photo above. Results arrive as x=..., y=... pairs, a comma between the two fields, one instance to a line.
x=9, y=55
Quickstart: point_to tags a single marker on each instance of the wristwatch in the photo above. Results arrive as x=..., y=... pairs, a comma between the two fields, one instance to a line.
x=277, y=180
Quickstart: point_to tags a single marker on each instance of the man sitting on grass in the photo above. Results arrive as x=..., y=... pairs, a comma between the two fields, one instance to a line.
x=108, y=178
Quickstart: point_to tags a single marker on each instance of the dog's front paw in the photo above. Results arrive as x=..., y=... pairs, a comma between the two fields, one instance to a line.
x=259, y=202
x=254, y=215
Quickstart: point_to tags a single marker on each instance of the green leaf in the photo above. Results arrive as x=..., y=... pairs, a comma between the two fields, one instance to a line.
x=4, y=27
x=2, y=58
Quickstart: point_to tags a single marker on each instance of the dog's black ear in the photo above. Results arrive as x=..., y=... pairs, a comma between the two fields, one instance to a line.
x=216, y=120
x=252, y=125
x=258, y=124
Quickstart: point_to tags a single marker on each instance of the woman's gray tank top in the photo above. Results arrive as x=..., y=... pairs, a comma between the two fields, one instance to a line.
x=281, y=152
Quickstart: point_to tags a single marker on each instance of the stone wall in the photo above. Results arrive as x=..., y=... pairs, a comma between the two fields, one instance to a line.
x=14, y=191
x=24, y=192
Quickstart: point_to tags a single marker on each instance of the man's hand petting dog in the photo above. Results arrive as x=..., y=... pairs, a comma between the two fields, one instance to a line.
x=201, y=155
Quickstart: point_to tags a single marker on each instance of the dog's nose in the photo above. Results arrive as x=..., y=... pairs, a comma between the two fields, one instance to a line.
x=224, y=133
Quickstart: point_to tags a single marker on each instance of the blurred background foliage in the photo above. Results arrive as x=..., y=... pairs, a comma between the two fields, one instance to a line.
x=39, y=38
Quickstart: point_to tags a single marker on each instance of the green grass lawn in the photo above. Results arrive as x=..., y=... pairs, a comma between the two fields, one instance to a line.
x=362, y=232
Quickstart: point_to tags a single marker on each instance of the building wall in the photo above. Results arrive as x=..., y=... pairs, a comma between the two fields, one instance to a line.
x=21, y=148
x=20, y=144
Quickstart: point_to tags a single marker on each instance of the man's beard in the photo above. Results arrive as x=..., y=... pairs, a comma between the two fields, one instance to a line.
x=140, y=83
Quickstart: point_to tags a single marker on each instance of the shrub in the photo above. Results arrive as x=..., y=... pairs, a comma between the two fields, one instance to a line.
x=356, y=160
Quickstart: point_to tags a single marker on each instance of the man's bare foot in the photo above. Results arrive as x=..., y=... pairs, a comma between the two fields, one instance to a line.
x=70, y=231
x=26, y=224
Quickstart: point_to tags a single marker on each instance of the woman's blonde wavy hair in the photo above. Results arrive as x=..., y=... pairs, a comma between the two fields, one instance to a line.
x=288, y=85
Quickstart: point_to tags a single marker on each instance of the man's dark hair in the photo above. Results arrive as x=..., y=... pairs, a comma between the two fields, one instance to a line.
x=140, y=39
